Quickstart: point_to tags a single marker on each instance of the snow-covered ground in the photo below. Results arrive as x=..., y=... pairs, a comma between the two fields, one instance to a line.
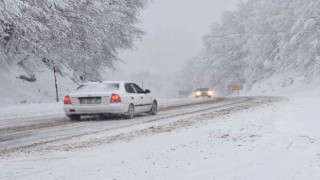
x=275, y=86
x=273, y=141
x=17, y=91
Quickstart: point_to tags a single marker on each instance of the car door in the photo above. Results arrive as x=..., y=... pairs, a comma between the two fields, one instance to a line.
x=145, y=104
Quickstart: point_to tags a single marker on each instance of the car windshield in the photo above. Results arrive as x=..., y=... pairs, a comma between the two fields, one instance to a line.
x=203, y=89
x=101, y=87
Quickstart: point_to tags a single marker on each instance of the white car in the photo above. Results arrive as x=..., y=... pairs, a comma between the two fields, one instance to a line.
x=114, y=98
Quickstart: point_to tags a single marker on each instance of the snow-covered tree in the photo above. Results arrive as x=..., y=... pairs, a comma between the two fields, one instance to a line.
x=260, y=39
x=82, y=35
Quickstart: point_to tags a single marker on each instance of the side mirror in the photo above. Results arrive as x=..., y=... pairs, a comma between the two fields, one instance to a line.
x=147, y=91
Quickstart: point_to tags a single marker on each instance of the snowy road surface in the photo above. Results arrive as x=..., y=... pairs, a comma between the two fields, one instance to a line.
x=241, y=138
x=27, y=130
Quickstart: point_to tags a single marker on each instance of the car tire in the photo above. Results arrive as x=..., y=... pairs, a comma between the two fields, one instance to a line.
x=75, y=117
x=104, y=116
x=154, y=108
x=130, y=113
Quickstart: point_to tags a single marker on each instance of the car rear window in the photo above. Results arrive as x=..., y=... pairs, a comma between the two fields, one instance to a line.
x=101, y=87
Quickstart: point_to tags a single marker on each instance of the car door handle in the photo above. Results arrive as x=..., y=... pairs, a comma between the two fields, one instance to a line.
x=141, y=97
x=132, y=97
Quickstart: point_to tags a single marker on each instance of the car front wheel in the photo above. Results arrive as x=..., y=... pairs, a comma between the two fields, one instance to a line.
x=154, y=108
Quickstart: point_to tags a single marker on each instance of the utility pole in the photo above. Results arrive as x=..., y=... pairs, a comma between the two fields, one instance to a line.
x=55, y=81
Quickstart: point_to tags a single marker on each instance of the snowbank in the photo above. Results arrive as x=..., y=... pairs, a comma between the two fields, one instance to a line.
x=275, y=86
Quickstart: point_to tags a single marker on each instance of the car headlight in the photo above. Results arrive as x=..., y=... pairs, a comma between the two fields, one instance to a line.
x=210, y=93
x=198, y=93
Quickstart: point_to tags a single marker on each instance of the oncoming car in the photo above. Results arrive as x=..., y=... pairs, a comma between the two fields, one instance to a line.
x=203, y=92
x=112, y=98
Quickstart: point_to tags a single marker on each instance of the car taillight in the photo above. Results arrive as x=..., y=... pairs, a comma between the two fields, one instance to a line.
x=115, y=98
x=67, y=100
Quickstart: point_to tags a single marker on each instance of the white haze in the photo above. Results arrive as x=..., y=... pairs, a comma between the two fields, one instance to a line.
x=174, y=30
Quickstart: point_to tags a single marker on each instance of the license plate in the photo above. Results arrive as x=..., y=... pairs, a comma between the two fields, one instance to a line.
x=90, y=101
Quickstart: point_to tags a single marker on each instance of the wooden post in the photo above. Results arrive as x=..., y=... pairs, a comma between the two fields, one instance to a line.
x=55, y=82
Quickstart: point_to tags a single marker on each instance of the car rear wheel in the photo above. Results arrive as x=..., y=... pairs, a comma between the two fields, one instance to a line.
x=75, y=117
x=104, y=116
x=154, y=108
x=130, y=113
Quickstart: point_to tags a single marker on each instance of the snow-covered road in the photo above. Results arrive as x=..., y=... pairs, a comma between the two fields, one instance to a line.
x=23, y=132
x=259, y=138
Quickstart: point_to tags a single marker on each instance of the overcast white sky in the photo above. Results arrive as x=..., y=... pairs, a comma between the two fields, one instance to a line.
x=174, y=30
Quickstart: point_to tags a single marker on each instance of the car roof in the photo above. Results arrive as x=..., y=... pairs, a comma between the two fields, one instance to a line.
x=203, y=89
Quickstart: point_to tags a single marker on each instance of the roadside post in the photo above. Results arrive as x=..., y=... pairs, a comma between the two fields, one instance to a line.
x=235, y=87
x=55, y=81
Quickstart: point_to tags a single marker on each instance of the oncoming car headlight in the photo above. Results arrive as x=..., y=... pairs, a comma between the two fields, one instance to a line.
x=210, y=93
x=198, y=93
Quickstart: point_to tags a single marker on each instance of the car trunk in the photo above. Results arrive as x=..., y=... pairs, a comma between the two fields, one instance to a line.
x=84, y=99
x=93, y=94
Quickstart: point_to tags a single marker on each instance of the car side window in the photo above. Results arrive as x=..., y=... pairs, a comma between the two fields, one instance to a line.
x=129, y=89
x=138, y=89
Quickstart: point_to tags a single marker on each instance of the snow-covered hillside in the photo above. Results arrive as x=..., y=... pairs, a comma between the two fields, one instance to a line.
x=14, y=90
x=274, y=86
x=261, y=41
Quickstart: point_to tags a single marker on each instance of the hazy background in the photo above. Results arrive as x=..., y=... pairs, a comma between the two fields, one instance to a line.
x=174, y=30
